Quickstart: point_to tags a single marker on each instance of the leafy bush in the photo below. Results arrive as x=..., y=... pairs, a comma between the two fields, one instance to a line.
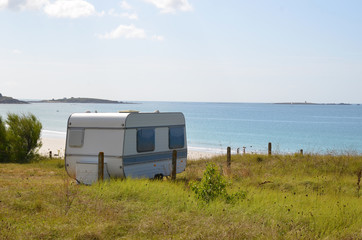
x=23, y=137
x=3, y=142
x=213, y=185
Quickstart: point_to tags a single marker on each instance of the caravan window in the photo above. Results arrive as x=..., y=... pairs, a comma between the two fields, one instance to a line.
x=176, y=137
x=145, y=140
x=76, y=137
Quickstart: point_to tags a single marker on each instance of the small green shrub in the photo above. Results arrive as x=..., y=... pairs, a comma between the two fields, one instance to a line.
x=213, y=185
x=232, y=198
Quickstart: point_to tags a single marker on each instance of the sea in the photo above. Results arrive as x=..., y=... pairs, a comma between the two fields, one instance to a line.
x=212, y=127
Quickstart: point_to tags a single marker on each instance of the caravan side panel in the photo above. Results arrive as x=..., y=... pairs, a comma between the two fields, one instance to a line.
x=157, y=161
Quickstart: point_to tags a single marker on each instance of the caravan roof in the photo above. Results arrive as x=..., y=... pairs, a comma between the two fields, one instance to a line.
x=124, y=120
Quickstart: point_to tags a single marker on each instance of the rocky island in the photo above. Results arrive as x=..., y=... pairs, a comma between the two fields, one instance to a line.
x=10, y=100
x=79, y=100
x=310, y=103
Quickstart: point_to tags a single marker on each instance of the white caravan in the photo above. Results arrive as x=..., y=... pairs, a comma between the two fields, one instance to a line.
x=134, y=144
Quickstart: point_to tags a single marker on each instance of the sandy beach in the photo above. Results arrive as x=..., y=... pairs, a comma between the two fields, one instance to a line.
x=57, y=146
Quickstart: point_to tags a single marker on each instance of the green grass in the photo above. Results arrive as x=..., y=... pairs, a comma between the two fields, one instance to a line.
x=288, y=197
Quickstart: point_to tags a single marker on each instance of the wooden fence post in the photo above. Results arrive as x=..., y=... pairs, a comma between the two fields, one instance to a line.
x=174, y=163
x=228, y=157
x=359, y=175
x=100, y=166
x=269, y=148
x=50, y=154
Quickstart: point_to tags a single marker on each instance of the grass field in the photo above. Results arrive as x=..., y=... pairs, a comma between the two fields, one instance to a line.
x=288, y=197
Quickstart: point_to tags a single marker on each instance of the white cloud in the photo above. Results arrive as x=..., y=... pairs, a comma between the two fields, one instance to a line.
x=70, y=9
x=124, y=31
x=158, y=38
x=17, y=52
x=57, y=8
x=129, y=31
x=23, y=4
x=3, y=4
x=112, y=12
x=169, y=6
x=125, y=5
x=34, y=4
x=132, y=16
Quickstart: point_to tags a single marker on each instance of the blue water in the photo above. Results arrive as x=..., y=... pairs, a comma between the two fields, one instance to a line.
x=214, y=126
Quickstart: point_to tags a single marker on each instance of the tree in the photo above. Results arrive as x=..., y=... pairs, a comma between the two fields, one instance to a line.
x=23, y=136
x=3, y=142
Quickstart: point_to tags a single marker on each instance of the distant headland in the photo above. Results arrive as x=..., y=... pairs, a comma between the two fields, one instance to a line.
x=10, y=100
x=79, y=100
x=310, y=103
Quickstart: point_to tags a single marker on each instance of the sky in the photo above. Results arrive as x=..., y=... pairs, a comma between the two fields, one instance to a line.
x=182, y=50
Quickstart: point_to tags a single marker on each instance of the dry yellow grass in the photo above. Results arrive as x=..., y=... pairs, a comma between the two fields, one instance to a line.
x=289, y=197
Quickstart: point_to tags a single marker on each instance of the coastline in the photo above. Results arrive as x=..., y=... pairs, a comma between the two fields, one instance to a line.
x=212, y=127
x=54, y=141
x=57, y=146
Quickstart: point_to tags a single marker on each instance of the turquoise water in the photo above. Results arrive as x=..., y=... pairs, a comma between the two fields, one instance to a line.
x=214, y=126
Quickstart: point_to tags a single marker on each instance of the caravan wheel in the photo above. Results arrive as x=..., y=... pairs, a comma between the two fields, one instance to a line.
x=158, y=176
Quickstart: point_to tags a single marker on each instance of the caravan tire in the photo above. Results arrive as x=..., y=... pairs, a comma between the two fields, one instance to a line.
x=158, y=176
